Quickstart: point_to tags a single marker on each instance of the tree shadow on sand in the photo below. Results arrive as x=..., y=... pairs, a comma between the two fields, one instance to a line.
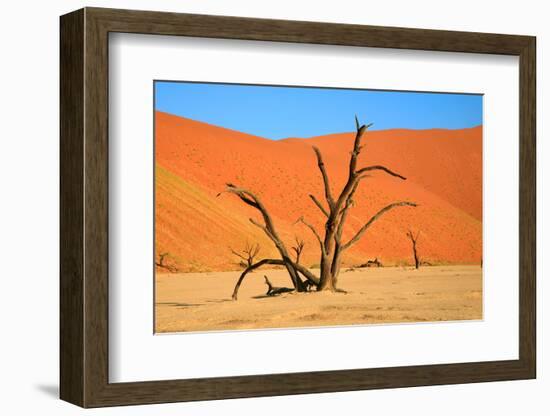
x=183, y=305
x=179, y=304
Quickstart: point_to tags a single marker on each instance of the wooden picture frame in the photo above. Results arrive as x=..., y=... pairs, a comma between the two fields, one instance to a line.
x=84, y=207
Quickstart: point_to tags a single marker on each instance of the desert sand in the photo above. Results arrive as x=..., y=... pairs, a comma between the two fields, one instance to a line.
x=202, y=301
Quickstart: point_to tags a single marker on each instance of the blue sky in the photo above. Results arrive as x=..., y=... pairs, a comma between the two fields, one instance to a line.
x=280, y=112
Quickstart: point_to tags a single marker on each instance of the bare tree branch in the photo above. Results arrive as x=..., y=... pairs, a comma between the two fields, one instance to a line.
x=275, y=291
x=321, y=207
x=251, y=199
x=361, y=129
x=379, y=167
x=412, y=236
x=241, y=193
x=365, y=227
x=304, y=271
x=307, y=274
x=266, y=230
x=251, y=268
x=269, y=228
x=321, y=164
x=236, y=253
x=349, y=200
x=313, y=230
x=352, y=175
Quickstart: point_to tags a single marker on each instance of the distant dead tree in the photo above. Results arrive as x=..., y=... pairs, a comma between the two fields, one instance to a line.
x=247, y=254
x=161, y=263
x=298, y=248
x=414, y=239
x=331, y=245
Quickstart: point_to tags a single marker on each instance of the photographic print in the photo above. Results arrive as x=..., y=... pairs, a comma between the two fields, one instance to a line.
x=290, y=207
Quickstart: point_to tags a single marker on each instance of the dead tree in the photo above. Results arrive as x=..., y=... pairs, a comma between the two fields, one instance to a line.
x=336, y=211
x=331, y=245
x=414, y=239
x=298, y=248
x=247, y=255
x=162, y=264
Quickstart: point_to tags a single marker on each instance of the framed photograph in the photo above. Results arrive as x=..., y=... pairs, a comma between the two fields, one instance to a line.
x=254, y=207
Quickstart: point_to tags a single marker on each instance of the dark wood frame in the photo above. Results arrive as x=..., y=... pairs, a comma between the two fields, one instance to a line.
x=84, y=207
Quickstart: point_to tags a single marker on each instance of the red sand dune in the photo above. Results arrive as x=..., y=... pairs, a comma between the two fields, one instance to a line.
x=196, y=227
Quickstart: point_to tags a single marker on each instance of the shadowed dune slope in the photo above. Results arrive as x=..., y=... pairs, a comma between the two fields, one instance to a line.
x=196, y=227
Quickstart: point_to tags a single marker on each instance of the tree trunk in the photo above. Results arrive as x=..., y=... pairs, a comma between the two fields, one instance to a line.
x=414, y=239
x=336, y=263
x=416, y=260
x=327, y=284
x=326, y=280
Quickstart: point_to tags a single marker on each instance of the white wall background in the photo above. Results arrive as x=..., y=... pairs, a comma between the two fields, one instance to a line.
x=29, y=160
